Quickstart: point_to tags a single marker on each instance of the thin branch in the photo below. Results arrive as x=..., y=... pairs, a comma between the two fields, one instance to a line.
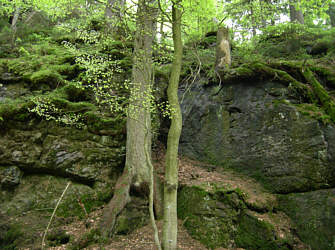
x=53, y=214
x=163, y=12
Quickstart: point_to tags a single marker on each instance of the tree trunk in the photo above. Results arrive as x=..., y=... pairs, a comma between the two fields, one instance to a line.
x=114, y=8
x=331, y=14
x=15, y=18
x=223, y=55
x=253, y=22
x=114, y=12
x=296, y=15
x=14, y=25
x=171, y=171
x=138, y=145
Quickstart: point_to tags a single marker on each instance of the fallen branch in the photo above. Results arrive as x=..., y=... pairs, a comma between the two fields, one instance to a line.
x=53, y=213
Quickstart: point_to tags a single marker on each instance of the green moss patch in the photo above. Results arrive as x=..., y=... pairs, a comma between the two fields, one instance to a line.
x=209, y=218
x=312, y=213
x=46, y=77
x=105, y=126
x=253, y=233
x=9, y=237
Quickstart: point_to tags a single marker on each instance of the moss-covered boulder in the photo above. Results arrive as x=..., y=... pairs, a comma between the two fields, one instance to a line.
x=221, y=218
x=313, y=214
x=255, y=127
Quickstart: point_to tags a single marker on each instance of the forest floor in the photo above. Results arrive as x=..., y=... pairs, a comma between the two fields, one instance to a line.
x=140, y=239
x=191, y=173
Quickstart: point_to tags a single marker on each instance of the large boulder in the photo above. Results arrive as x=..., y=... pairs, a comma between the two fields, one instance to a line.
x=222, y=217
x=259, y=128
x=255, y=128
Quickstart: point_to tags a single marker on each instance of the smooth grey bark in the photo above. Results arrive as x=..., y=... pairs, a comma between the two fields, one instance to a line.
x=296, y=15
x=15, y=18
x=137, y=170
x=170, y=228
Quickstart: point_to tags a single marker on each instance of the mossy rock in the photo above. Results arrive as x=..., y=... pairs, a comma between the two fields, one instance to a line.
x=321, y=47
x=313, y=215
x=134, y=216
x=76, y=93
x=46, y=77
x=104, y=125
x=208, y=217
x=253, y=233
x=15, y=111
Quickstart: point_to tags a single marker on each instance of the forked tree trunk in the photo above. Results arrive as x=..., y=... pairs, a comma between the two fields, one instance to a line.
x=171, y=169
x=138, y=146
x=223, y=55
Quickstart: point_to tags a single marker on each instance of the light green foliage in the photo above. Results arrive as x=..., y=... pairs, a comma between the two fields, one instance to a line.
x=104, y=76
x=199, y=17
x=59, y=8
x=49, y=111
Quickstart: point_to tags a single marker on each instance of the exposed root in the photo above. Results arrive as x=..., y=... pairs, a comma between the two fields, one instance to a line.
x=326, y=101
x=120, y=199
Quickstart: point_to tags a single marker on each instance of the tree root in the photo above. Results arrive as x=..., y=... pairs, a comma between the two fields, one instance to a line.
x=326, y=101
x=120, y=199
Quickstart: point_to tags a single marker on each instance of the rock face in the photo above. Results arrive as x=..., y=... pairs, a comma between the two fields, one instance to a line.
x=256, y=128
x=37, y=163
x=313, y=213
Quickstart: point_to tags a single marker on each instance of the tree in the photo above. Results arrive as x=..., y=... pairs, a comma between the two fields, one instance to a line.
x=296, y=13
x=170, y=229
x=137, y=170
x=331, y=13
x=114, y=12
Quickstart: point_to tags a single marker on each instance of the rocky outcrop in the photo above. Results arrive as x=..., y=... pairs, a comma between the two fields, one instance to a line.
x=259, y=129
x=37, y=163
x=222, y=217
x=255, y=128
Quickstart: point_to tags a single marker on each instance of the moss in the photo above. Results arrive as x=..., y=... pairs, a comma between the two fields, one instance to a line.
x=15, y=110
x=204, y=221
x=321, y=47
x=255, y=234
x=314, y=111
x=8, y=238
x=66, y=70
x=48, y=77
x=75, y=93
x=324, y=72
x=73, y=208
x=311, y=213
x=324, y=98
x=101, y=125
